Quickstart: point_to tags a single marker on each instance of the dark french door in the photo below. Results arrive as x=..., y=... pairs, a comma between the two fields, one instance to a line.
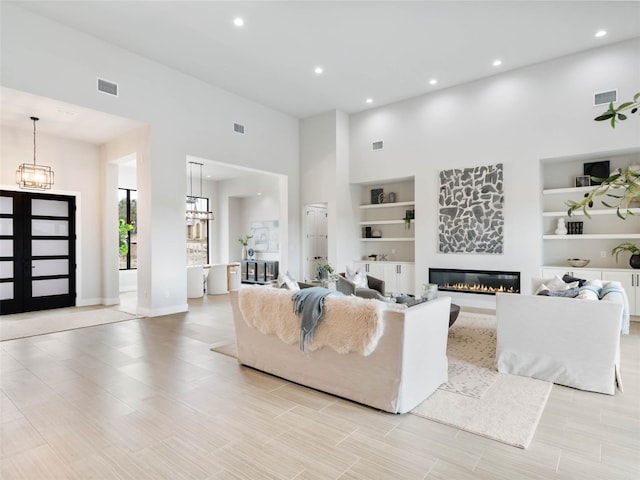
x=37, y=251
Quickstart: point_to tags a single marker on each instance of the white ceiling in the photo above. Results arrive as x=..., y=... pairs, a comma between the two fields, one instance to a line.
x=387, y=51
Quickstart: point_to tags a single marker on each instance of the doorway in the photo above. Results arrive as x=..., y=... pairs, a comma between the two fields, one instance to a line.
x=316, y=239
x=37, y=251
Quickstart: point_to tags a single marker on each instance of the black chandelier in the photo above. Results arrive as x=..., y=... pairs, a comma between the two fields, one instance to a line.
x=33, y=176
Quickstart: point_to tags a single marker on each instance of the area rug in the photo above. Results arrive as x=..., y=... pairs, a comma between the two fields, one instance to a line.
x=40, y=323
x=477, y=398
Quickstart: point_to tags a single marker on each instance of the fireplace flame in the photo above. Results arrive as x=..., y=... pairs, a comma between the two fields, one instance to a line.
x=466, y=287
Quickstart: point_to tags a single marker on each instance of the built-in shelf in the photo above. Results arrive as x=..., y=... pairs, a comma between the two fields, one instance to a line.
x=387, y=205
x=594, y=236
x=570, y=190
x=389, y=239
x=383, y=222
x=578, y=213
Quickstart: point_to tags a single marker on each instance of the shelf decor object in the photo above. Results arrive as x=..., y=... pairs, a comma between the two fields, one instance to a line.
x=375, y=195
x=578, y=262
x=597, y=171
x=33, y=176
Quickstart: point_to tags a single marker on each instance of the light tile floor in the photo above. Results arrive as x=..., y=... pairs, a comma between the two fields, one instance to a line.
x=147, y=399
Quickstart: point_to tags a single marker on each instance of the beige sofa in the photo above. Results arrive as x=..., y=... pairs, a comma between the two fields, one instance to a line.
x=406, y=366
x=568, y=341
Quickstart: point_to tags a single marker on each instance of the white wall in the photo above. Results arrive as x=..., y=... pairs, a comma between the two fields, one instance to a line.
x=238, y=205
x=324, y=178
x=76, y=167
x=185, y=117
x=516, y=118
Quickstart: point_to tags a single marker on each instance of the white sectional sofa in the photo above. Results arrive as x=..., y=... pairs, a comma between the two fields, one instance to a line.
x=568, y=341
x=406, y=366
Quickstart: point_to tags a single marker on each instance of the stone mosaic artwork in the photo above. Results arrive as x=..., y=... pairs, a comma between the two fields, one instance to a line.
x=470, y=210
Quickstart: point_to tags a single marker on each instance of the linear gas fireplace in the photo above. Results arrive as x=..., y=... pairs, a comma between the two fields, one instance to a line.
x=487, y=282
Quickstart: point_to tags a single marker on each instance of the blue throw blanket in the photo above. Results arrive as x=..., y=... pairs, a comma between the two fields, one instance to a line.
x=625, y=302
x=601, y=292
x=309, y=304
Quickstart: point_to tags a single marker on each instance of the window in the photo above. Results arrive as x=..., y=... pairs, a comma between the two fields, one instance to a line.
x=128, y=211
x=197, y=232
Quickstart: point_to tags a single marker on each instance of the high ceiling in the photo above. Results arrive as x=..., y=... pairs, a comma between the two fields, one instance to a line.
x=386, y=51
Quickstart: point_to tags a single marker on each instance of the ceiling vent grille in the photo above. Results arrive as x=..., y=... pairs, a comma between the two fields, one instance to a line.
x=238, y=128
x=604, y=98
x=105, y=86
x=377, y=145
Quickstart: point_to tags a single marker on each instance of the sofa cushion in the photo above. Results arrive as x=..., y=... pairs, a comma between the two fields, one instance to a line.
x=359, y=277
x=287, y=281
x=555, y=285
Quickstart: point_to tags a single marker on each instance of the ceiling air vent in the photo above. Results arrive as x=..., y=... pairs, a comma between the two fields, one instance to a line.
x=108, y=87
x=377, y=145
x=603, y=98
x=238, y=128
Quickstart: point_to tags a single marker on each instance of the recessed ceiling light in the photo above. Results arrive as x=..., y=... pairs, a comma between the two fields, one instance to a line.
x=259, y=194
x=601, y=33
x=238, y=21
x=433, y=81
x=318, y=70
x=497, y=63
x=369, y=100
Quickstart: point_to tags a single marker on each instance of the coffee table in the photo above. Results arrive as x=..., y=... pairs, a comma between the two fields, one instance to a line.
x=453, y=315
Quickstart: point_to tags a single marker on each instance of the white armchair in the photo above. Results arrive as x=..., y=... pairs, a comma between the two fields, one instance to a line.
x=568, y=341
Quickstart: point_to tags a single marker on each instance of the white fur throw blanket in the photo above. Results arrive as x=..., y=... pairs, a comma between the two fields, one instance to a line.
x=349, y=324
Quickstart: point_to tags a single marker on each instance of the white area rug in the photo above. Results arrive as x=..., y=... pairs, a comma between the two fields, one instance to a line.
x=471, y=351
x=39, y=323
x=477, y=398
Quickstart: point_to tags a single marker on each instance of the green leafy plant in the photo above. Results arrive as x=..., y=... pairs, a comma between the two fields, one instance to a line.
x=244, y=241
x=615, y=114
x=625, y=247
x=620, y=189
x=408, y=216
x=123, y=229
x=324, y=267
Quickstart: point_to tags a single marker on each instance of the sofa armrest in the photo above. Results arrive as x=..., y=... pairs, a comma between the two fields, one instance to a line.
x=345, y=285
x=376, y=284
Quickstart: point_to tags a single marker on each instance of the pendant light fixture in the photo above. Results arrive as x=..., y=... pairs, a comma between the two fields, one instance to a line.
x=33, y=176
x=193, y=212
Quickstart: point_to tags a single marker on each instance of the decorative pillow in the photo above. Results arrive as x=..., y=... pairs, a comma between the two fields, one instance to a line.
x=358, y=277
x=569, y=279
x=571, y=292
x=559, y=285
x=556, y=285
x=586, y=294
x=286, y=281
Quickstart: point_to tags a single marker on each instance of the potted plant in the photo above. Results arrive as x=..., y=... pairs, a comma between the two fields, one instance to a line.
x=244, y=241
x=324, y=269
x=634, y=261
x=408, y=216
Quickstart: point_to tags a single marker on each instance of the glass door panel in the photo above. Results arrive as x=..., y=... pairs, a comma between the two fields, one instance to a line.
x=43, y=288
x=52, y=228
